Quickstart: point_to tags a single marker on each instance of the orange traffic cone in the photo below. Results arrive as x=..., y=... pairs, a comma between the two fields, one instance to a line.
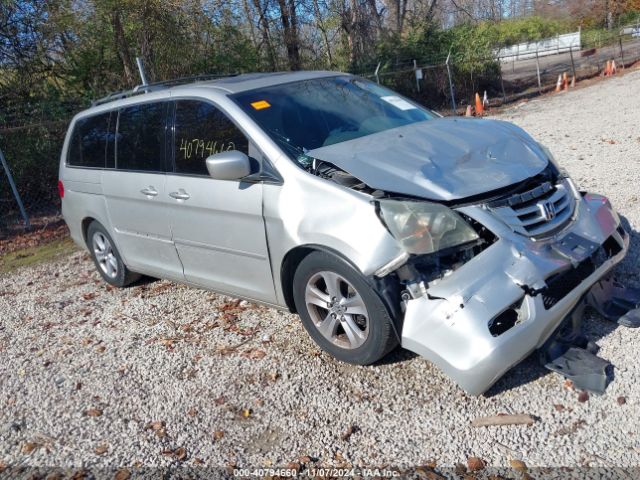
x=479, y=107
x=469, y=112
x=559, y=83
x=565, y=82
x=607, y=69
x=573, y=81
x=613, y=67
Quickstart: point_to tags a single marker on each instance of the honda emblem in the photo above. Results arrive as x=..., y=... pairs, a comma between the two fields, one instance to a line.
x=548, y=210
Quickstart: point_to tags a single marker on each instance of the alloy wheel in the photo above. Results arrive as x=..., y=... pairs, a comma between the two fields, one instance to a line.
x=104, y=253
x=337, y=310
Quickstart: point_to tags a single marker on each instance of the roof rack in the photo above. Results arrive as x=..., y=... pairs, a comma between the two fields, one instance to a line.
x=151, y=87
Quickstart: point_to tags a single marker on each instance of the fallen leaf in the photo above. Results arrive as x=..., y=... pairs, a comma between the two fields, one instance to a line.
x=100, y=348
x=254, y=354
x=350, y=431
x=93, y=412
x=518, y=465
x=101, y=449
x=3, y=466
x=30, y=447
x=475, y=464
x=558, y=407
x=81, y=475
x=220, y=400
x=460, y=469
x=621, y=400
x=218, y=434
x=198, y=461
x=568, y=384
x=246, y=412
x=122, y=474
x=155, y=426
x=583, y=396
x=304, y=459
x=429, y=474
x=180, y=453
x=193, y=412
x=89, y=296
x=293, y=466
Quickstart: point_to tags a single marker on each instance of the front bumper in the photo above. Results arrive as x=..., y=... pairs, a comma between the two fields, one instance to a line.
x=537, y=283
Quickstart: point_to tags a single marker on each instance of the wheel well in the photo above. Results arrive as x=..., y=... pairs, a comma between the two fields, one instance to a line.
x=85, y=226
x=289, y=266
x=387, y=288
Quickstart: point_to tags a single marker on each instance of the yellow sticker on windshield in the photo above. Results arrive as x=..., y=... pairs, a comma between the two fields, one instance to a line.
x=262, y=104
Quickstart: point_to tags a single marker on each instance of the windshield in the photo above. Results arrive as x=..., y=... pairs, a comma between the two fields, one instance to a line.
x=309, y=114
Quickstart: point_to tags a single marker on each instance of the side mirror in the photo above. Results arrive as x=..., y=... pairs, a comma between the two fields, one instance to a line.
x=231, y=165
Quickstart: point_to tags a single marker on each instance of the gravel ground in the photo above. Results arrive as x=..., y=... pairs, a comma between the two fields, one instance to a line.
x=162, y=374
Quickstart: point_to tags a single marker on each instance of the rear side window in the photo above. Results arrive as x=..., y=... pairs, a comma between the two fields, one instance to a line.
x=89, y=141
x=202, y=130
x=140, y=141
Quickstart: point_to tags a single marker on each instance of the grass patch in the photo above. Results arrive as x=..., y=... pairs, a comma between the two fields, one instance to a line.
x=47, y=252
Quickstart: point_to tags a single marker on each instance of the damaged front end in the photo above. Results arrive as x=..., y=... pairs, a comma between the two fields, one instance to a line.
x=489, y=282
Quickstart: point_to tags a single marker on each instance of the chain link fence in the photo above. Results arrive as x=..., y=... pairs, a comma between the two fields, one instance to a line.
x=449, y=87
x=31, y=135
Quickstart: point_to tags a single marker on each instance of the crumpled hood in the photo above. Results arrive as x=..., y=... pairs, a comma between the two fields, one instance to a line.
x=440, y=159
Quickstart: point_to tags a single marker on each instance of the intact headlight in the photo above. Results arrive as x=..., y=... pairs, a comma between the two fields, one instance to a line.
x=423, y=227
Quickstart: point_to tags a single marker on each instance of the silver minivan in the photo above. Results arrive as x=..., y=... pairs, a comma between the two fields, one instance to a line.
x=376, y=220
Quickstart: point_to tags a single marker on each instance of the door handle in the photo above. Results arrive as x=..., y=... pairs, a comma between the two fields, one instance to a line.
x=149, y=191
x=180, y=195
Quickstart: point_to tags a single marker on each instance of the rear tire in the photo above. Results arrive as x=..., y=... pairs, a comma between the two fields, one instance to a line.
x=341, y=311
x=106, y=257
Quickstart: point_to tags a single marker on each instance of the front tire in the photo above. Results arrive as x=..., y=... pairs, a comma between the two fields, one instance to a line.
x=106, y=257
x=341, y=311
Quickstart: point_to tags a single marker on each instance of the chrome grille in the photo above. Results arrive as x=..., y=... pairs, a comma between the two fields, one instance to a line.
x=537, y=212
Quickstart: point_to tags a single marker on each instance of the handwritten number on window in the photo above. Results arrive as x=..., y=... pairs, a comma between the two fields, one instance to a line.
x=199, y=148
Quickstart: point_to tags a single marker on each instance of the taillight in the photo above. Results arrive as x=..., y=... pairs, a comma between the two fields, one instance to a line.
x=60, y=189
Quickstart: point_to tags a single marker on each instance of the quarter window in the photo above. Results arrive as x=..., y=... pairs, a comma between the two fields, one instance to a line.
x=140, y=141
x=202, y=130
x=88, y=142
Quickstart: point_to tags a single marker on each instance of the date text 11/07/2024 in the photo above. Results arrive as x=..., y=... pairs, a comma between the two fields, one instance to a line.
x=316, y=472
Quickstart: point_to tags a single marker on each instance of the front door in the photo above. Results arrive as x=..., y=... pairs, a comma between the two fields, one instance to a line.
x=217, y=225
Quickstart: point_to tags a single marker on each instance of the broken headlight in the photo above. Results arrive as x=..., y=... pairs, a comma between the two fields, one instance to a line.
x=423, y=227
x=562, y=172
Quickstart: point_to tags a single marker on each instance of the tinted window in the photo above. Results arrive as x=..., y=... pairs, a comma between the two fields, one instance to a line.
x=203, y=130
x=111, y=141
x=88, y=142
x=140, y=140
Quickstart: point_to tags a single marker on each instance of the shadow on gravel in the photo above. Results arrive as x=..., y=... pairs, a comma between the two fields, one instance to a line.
x=397, y=356
x=143, y=281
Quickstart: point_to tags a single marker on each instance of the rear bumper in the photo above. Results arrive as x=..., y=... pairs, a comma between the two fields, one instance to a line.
x=535, y=283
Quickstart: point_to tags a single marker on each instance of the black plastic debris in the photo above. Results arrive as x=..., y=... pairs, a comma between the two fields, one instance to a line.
x=586, y=370
x=616, y=302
